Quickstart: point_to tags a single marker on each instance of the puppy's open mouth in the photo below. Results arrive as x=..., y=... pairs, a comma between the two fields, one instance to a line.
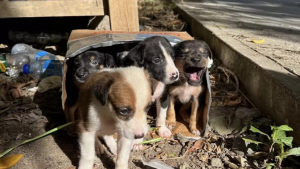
x=194, y=74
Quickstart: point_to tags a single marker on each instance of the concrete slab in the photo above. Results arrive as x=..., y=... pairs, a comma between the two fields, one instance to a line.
x=269, y=71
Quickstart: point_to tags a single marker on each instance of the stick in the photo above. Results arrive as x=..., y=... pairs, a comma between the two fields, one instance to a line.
x=233, y=74
x=186, y=152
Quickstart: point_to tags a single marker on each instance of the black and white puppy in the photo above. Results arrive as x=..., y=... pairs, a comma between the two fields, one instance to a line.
x=156, y=55
x=79, y=69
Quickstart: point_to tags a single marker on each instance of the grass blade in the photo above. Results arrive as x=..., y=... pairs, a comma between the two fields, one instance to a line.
x=151, y=141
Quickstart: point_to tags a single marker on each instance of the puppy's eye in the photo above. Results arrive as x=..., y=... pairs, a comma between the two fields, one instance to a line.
x=156, y=60
x=124, y=111
x=94, y=62
x=76, y=60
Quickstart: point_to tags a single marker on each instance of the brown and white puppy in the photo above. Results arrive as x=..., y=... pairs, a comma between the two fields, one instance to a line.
x=111, y=101
x=156, y=55
x=192, y=59
x=79, y=69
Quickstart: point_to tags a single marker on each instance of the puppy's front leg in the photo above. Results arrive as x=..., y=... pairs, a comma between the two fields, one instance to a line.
x=162, y=105
x=87, y=149
x=194, y=116
x=171, y=116
x=124, y=147
x=111, y=143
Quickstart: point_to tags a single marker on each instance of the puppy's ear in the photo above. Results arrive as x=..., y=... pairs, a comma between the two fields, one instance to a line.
x=109, y=60
x=135, y=55
x=101, y=89
x=210, y=52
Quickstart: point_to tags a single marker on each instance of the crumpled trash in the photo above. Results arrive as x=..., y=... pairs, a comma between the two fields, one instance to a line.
x=158, y=164
x=12, y=71
x=48, y=83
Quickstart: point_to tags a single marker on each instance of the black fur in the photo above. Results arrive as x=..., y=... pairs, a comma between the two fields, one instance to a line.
x=81, y=67
x=146, y=53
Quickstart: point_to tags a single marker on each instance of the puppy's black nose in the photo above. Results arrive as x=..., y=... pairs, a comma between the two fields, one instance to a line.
x=174, y=75
x=82, y=73
x=139, y=136
x=196, y=59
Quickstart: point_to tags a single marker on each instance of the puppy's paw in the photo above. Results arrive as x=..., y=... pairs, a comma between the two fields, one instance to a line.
x=195, y=132
x=164, y=132
x=136, y=145
x=170, y=124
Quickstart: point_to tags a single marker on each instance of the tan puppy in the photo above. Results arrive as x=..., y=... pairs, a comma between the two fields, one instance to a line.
x=113, y=100
x=192, y=59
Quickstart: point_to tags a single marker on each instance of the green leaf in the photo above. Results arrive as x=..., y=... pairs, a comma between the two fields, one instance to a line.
x=273, y=127
x=287, y=141
x=255, y=130
x=252, y=141
x=243, y=129
x=151, y=141
x=171, y=155
x=268, y=165
x=293, y=151
x=284, y=128
x=37, y=137
x=278, y=134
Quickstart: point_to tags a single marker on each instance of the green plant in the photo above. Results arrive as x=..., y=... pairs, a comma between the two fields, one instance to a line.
x=278, y=137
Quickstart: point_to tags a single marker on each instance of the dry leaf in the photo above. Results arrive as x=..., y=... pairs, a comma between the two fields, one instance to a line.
x=258, y=41
x=9, y=161
x=219, y=151
x=214, y=93
x=198, y=144
x=229, y=102
x=203, y=157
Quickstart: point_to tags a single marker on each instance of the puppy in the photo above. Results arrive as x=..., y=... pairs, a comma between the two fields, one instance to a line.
x=156, y=55
x=109, y=101
x=79, y=69
x=192, y=59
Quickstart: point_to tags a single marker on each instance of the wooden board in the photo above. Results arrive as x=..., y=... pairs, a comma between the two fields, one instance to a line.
x=123, y=15
x=17, y=9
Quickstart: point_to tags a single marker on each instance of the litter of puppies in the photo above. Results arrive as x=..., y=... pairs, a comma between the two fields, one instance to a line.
x=109, y=100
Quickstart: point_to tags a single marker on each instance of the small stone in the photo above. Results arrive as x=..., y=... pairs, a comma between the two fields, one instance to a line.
x=218, y=123
x=213, y=138
x=243, y=113
x=216, y=162
x=158, y=149
x=226, y=158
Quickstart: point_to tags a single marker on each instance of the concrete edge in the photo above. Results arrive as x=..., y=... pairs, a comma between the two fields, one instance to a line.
x=273, y=90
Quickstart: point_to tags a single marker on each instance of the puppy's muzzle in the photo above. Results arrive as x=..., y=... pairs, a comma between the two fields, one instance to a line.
x=174, y=76
x=82, y=73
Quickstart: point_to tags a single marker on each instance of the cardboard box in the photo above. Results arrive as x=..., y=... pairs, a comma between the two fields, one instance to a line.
x=83, y=40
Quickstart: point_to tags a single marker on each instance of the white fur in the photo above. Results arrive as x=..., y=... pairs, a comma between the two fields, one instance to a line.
x=186, y=92
x=163, y=131
x=170, y=66
x=87, y=149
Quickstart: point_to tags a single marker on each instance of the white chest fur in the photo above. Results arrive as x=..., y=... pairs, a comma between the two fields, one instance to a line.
x=158, y=88
x=185, y=92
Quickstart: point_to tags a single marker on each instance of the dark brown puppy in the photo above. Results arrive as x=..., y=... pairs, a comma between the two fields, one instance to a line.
x=191, y=59
x=79, y=69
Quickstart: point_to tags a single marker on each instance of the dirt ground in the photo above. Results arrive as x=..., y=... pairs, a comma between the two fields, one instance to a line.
x=27, y=113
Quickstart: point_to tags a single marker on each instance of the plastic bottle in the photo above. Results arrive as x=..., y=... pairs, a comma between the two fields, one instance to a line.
x=11, y=64
x=44, y=68
x=33, y=54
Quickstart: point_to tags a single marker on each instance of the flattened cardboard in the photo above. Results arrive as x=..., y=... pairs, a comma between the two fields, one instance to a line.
x=83, y=40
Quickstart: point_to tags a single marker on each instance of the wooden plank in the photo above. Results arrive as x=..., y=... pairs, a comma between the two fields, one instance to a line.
x=17, y=9
x=123, y=15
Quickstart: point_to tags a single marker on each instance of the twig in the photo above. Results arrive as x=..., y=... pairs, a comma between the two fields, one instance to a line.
x=222, y=68
x=2, y=111
x=186, y=152
x=233, y=74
